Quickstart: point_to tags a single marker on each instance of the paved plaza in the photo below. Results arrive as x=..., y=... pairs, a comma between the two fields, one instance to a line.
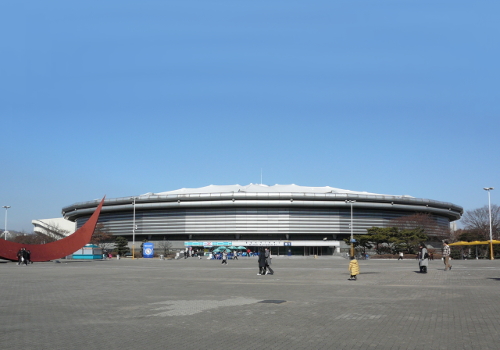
x=197, y=304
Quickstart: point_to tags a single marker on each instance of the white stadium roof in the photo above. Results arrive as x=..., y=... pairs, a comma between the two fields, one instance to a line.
x=252, y=188
x=260, y=195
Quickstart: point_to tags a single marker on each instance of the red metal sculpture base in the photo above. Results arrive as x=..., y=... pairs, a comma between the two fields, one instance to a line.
x=54, y=250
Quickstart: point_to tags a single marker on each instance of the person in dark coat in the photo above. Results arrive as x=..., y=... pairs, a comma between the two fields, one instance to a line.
x=423, y=262
x=25, y=256
x=268, y=262
x=262, y=262
x=20, y=256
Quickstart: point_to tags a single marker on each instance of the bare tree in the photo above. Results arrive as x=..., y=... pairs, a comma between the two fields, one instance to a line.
x=33, y=238
x=478, y=221
x=457, y=234
x=53, y=230
x=44, y=233
x=102, y=238
x=424, y=222
x=164, y=247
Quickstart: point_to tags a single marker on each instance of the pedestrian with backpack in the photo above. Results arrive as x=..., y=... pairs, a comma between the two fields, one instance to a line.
x=423, y=262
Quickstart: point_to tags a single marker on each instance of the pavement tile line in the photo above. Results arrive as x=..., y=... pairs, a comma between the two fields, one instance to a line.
x=356, y=316
x=191, y=307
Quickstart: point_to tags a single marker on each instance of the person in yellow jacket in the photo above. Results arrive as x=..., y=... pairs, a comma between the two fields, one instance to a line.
x=353, y=269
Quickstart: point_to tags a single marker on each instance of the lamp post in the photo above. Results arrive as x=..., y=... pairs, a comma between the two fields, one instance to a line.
x=488, y=189
x=5, y=232
x=351, y=202
x=133, y=231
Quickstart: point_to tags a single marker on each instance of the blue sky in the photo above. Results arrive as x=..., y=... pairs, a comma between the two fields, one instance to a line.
x=122, y=98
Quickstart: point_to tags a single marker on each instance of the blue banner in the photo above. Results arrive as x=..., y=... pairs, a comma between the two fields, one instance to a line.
x=148, y=250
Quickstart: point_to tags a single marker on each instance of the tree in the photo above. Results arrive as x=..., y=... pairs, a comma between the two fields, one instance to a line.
x=101, y=237
x=33, y=238
x=478, y=221
x=422, y=221
x=470, y=236
x=121, y=245
x=54, y=230
x=164, y=246
x=380, y=236
x=407, y=240
x=392, y=239
x=455, y=234
x=362, y=242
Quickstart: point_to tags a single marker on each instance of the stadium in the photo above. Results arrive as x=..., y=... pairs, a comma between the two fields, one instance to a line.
x=291, y=219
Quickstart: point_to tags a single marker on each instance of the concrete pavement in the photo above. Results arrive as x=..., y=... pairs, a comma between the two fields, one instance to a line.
x=193, y=304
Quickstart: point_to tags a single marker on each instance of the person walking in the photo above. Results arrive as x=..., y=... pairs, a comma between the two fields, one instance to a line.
x=224, y=257
x=423, y=262
x=353, y=269
x=267, y=254
x=20, y=256
x=235, y=255
x=24, y=256
x=446, y=256
x=400, y=256
x=262, y=262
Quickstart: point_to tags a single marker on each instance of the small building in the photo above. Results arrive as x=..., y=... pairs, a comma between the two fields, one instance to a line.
x=89, y=251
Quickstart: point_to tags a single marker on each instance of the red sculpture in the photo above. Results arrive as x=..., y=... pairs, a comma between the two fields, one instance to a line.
x=54, y=250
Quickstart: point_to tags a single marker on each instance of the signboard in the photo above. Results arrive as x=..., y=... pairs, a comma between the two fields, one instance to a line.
x=207, y=244
x=259, y=243
x=148, y=250
x=263, y=243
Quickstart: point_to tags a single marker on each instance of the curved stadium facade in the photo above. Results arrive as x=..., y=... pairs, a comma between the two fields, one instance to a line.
x=254, y=215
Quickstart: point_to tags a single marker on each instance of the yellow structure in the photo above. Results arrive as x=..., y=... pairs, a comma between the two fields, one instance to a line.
x=478, y=243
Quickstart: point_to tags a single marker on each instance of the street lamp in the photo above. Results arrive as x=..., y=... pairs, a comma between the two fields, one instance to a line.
x=488, y=189
x=133, y=231
x=351, y=202
x=5, y=232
